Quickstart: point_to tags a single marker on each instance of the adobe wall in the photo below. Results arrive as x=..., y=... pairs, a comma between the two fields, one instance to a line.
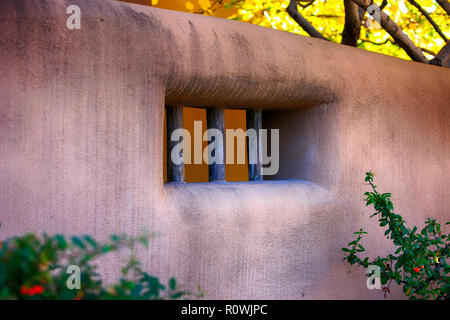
x=81, y=134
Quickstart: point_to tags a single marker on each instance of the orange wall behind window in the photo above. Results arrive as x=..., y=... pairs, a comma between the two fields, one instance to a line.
x=192, y=172
x=179, y=5
x=234, y=119
x=195, y=172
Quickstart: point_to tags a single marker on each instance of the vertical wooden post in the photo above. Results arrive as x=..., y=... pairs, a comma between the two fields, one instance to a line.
x=174, y=114
x=254, y=121
x=216, y=120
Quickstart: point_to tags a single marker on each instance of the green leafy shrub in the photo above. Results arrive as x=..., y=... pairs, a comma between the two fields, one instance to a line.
x=420, y=262
x=33, y=267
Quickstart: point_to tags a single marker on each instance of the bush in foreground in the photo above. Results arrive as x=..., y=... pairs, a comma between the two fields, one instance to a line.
x=420, y=261
x=38, y=268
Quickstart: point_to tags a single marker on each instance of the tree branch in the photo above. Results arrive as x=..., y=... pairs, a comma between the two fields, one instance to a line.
x=308, y=3
x=396, y=33
x=352, y=26
x=443, y=57
x=378, y=43
x=435, y=26
x=429, y=52
x=445, y=5
x=302, y=22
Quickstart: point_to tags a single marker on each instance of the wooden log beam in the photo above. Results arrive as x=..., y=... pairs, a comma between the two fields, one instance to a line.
x=216, y=120
x=254, y=121
x=174, y=114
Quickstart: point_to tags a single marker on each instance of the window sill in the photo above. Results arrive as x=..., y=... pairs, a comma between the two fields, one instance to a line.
x=245, y=196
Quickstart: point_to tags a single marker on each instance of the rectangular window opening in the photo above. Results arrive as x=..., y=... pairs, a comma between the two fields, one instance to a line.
x=226, y=146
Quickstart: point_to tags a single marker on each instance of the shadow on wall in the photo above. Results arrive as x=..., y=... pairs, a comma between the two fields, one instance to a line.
x=306, y=143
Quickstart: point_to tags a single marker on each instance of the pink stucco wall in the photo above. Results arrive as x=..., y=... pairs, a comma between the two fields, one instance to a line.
x=81, y=140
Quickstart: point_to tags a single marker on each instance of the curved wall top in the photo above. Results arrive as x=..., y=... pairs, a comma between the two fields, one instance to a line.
x=210, y=61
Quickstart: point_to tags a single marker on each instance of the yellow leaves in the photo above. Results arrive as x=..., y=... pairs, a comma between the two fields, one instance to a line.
x=204, y=4
x=372, y=24
x=189, y=5
x=402, y=7
x=328, y=16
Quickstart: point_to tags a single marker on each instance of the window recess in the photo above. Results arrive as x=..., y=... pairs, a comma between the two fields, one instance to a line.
x=221, y=120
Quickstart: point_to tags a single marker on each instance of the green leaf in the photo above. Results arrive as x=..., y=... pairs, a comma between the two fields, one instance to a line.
x=77, y=242
x=91, y=241
x=172, y=284
x=60, y=242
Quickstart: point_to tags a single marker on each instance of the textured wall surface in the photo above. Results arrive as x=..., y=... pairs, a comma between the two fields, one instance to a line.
x=81, y=140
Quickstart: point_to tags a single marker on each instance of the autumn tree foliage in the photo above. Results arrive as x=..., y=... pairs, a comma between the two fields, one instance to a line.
x=408, y=29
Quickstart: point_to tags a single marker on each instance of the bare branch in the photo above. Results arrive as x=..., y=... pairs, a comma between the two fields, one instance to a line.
x=445, y=5
x=435, y=26
x=429, y=52
x=302, y=22
x=308, y=3
x=352, y=26
x=396, y=33
x=378, y=43
x=443, y=57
